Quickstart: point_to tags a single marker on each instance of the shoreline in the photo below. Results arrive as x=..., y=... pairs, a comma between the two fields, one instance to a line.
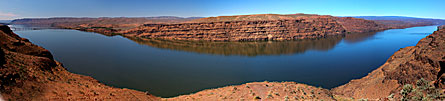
x=261, y=85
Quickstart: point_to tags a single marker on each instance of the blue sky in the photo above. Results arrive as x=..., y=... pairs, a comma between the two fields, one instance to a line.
x=12, y=9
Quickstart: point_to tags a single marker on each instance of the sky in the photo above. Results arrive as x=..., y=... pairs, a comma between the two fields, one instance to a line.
x=14, y=9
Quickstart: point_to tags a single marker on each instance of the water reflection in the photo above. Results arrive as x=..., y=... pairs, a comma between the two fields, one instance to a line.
x=254, y=48
x=359, y=37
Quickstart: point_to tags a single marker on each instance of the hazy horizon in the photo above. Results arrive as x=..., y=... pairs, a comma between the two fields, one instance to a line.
x=16, y=9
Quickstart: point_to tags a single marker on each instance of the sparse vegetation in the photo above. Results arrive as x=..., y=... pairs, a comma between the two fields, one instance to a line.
x=423, y=90
x=391, y=96
x=286, y=98
x=362, y=99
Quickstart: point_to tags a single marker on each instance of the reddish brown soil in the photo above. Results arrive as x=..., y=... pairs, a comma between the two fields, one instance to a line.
x=279, y=91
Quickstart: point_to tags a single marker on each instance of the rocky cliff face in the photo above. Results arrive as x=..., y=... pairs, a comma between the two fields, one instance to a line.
x=256, y=27
x=311, y=27
x=227, y=28
x=425, y=60
x=355, y=25
x=29, y=72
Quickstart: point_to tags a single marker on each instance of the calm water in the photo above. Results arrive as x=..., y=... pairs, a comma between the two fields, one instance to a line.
x=170, y=68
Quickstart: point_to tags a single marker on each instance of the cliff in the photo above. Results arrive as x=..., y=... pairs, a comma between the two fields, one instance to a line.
x=228, y=28
x=264, y=27
x=255, y=27
x=424, y=61
x=29, y=72
x=241, y=30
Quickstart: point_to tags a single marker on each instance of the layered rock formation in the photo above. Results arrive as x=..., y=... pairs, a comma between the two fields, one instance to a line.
x=255, y=27
x=29, y=72
x=425, y=60
x=355, y=25
x=227, y=28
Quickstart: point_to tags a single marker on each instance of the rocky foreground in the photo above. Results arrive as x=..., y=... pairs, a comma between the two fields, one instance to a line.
x=28, y=72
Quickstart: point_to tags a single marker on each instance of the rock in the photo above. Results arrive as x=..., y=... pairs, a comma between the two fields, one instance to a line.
x=262, y=27
x=283, y=29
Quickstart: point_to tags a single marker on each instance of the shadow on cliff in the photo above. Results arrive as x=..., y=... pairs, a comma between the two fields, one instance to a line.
x=255, y=48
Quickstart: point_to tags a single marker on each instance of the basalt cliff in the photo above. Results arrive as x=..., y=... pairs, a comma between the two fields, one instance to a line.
x=255, y=27
x=226, y=28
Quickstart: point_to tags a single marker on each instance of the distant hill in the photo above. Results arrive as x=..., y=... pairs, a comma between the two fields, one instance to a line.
x=102, y=21
x=389, y=18
x=403, y=18
x=402, y=21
